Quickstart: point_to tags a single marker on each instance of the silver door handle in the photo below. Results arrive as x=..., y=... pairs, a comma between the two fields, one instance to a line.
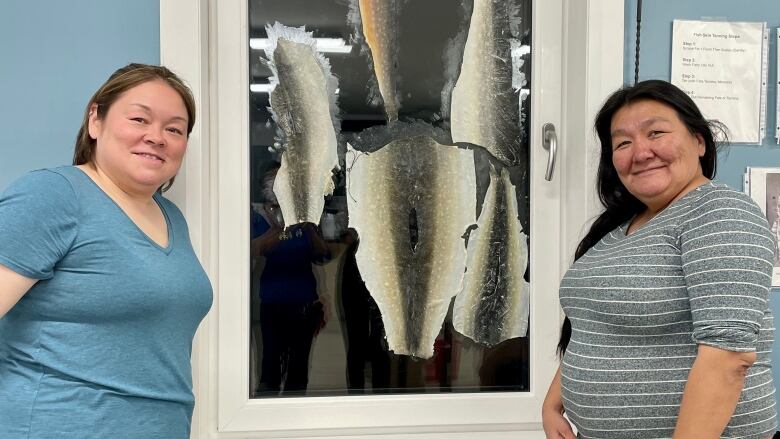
x=550, y=143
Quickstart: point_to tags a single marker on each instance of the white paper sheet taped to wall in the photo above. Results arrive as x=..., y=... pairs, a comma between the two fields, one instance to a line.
x=722, y=66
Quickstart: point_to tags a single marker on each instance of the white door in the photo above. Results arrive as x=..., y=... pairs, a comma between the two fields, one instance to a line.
x=465, y=389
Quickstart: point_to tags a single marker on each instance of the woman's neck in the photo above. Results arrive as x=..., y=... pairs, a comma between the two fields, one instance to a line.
x=115, y=189
x=652, y=210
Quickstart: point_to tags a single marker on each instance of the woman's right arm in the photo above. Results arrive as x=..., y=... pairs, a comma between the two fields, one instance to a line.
x=38, y=224
x=554, y=424
x=12, y=288
x=265, y=242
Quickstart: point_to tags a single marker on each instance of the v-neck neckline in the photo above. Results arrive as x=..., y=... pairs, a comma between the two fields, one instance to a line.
x=169, y=230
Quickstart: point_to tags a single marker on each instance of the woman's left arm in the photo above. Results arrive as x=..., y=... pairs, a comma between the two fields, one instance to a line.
x=711, y=392
x=727, y=256
x=319, y=248
x=12, y=287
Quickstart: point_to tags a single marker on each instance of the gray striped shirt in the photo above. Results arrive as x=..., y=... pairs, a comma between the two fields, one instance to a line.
x=699, y=272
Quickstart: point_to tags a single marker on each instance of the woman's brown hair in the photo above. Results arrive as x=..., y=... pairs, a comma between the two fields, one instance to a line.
x=119, y=82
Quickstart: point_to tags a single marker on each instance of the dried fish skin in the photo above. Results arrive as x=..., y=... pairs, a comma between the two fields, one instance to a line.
x=379, y=23
x=412, y=278
x=303, y=106
x=494, y=304
x=377, y=136
x=485, y=107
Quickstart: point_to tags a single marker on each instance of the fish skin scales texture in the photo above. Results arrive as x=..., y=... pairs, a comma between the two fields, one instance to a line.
x=485, y=108
x=302, y=109
x=379, y=18
x=412, y=285
x=494, y=304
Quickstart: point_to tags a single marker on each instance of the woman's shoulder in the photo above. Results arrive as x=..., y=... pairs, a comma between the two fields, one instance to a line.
x=53, y=175
x=717, y=189
x=713, y=195
x=716, y=202
x=50, y=185
x=169, y=206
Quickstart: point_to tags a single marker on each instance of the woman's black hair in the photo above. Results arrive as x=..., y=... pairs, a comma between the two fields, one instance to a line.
x=619, y=204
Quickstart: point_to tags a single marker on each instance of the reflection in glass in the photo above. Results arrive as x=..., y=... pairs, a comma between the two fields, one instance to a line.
x=316, y=328
x=290, y=311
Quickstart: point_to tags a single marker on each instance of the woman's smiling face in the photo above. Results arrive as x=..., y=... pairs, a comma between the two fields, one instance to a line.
x=141, y=141
x=655, y=155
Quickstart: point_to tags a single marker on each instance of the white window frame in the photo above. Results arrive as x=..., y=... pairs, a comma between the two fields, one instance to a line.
x=205, y=41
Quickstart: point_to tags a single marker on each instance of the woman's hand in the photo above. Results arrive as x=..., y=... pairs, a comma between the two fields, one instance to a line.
x=555, y=425
x=265, y=242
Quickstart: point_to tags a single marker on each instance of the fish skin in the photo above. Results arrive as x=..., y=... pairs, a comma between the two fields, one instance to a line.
x=379, y=19
x=485, y=108
x=302, y=109
x=494, y=303
x=413, y=286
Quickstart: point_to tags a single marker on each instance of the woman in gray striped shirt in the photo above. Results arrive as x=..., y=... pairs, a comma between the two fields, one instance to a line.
x=668, y=331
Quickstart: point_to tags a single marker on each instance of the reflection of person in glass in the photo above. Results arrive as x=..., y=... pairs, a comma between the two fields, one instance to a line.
x=363, y=329
x=291, y=313
x=668, y=331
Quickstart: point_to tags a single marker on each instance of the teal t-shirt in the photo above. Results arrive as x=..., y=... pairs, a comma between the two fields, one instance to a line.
x=100, y=346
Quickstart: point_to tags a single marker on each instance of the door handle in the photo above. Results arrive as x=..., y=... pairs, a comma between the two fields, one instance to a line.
x=550, y=143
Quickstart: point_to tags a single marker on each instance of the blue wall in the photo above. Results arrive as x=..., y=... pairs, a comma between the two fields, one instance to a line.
x=655, y=63
x=53, y=56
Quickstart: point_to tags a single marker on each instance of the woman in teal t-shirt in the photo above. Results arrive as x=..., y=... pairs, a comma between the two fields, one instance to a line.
x=100, y=290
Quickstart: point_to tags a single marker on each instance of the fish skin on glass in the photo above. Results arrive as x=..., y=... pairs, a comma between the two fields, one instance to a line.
x=379, y=20
x=494, y=304
x=412, y=281
x=485, y=109
x=303, y=105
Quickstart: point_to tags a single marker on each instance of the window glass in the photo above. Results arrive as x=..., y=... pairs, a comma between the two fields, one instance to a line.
x=404, y=125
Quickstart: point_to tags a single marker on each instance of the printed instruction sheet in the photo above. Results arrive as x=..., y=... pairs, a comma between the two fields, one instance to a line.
x=720, y=65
